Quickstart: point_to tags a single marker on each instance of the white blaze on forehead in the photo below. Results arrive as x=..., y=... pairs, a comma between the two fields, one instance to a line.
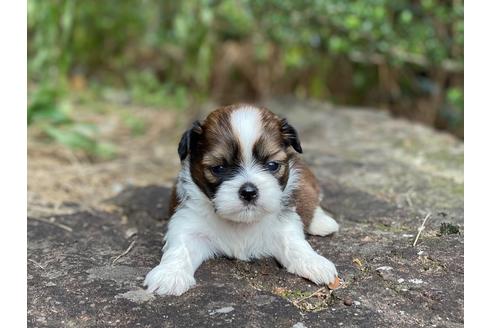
x=246, y=123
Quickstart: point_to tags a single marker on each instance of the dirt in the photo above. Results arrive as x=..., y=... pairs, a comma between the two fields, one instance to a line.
x=380, y=178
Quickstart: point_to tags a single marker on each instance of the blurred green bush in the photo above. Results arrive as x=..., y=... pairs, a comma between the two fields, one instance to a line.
x=403, y=55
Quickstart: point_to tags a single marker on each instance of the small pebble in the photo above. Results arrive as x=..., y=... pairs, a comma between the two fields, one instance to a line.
x=384, y=268
x=226, y=309
x=131, y=232
x=348, y=301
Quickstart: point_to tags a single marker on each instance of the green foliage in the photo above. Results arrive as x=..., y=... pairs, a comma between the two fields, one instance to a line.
x=146, y=89
x=165, y=53
x=45, y=106
x=453, y=111
x=81, y=136
x=51, y=112
x=448, y=229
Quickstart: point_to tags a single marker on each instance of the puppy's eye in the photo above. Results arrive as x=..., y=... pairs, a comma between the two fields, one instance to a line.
x=218, y=170
x=272, y=166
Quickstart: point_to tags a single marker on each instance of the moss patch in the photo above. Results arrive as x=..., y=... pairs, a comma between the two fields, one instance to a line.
x=307, y=301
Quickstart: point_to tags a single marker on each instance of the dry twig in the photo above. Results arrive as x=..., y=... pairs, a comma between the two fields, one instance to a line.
x=124, y=253
x=36, y=263
x=421, y=228
x=53, y=222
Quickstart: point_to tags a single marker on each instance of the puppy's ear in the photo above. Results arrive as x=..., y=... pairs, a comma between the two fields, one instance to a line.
x=189, y=139
x=290, y=136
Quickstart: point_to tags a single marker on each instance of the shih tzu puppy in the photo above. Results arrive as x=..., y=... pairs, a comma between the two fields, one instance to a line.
x=242, y=192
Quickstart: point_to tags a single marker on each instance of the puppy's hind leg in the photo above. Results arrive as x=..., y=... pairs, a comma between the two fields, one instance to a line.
x=322, y=224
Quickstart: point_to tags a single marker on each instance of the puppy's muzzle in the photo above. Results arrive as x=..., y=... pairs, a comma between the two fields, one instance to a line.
x=248, y=192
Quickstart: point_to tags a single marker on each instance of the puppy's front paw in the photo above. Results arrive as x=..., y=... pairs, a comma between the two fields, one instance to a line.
x=319, y=270
x=168, y=281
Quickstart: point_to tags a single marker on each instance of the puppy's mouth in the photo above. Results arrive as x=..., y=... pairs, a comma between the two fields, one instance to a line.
x=248, y=213
x=250, y=207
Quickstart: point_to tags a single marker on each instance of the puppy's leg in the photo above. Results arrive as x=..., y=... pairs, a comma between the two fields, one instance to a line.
x=322, y=224
x=293, y=251
x=184, y=251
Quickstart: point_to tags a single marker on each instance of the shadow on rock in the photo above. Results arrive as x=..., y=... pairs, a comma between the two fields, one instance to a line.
x=139, y=203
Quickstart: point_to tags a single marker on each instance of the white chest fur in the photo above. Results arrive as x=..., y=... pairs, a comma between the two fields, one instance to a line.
x=238, y=240
x=196, y=233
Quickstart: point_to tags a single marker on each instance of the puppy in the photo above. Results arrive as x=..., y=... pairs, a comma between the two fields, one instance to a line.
x=242, y=192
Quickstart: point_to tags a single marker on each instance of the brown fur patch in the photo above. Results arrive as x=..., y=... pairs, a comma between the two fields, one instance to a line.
x=307, y=193
x=271, y=149
x=271, y=145
x=173, y=201
x=215, y=145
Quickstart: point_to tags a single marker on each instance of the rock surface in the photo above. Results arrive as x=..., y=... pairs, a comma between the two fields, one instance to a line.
x=380, y=177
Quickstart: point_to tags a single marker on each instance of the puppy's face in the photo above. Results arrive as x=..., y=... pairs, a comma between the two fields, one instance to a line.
x=239, y=158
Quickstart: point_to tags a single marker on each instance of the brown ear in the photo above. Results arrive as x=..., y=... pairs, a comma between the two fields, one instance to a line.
x=290, y=136
x=189, y=139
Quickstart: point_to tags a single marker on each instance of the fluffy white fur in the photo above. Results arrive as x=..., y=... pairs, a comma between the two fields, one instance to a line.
x=322, y=224
x=196, y=233
x=246, y=124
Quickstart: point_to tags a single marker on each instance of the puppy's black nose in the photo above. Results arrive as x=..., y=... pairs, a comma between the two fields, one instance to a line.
x=248, y=192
